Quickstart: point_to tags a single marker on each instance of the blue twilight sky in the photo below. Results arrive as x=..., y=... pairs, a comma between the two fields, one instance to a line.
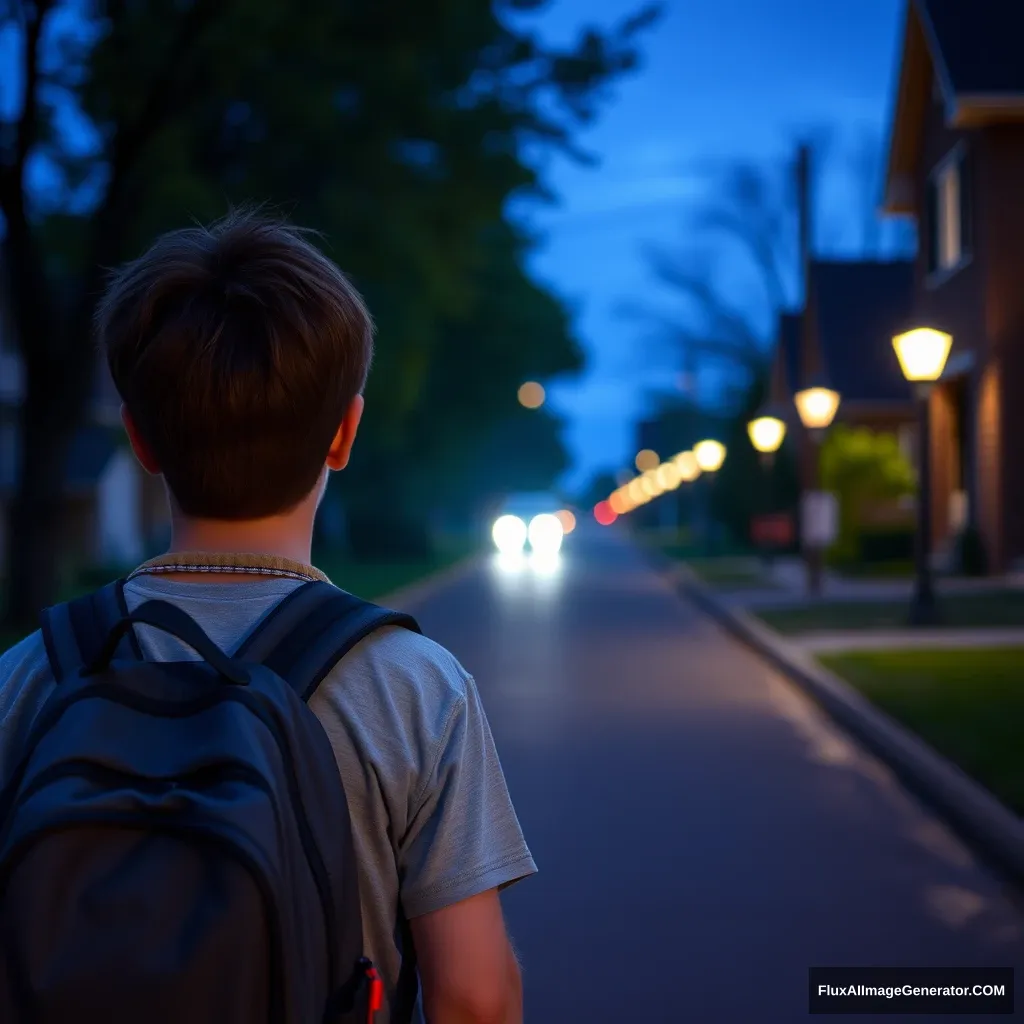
x=721, y=79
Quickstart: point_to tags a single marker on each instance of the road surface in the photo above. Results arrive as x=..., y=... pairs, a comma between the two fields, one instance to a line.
x=703, y=833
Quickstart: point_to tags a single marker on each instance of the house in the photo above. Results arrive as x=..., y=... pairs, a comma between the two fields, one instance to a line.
x=955, y=165
x=114, y=513
x=857, y=307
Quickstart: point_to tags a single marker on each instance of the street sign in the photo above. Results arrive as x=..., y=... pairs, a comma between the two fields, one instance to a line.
x=819, y=518
x=773, y=531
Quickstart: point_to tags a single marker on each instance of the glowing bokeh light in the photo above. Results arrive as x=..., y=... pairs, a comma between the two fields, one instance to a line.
x=604, y=513
x=646, y=460
x=545, y=533
x=531, y=395
x=509, y=534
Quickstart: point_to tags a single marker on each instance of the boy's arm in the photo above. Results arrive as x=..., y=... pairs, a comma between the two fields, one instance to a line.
x=467, y=967
x=463, y=846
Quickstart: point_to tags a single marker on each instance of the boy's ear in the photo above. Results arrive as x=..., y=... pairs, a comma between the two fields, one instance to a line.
x=139, y=447
x=341, y=446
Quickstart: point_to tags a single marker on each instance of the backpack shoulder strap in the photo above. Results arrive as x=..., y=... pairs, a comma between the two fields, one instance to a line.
x=75, y=632
x=311, y=630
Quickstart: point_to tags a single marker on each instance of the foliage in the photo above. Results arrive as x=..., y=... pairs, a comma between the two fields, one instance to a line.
x=396, y=127
x=861, y=467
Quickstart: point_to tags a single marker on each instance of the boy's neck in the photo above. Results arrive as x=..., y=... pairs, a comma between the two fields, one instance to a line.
x=289, y=536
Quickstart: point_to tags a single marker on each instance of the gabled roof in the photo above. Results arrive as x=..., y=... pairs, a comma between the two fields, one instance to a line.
x=978, y=44
x=860, y=307
x=972, y=49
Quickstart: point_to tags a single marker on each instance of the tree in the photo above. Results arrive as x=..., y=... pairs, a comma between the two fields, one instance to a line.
x=396, y=126
x=746, y=224
x=862, y=468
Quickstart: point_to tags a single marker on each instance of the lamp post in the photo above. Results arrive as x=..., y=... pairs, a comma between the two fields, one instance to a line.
x=922, y=353
x=817, y=406
x=767, y=432
x=709, y=456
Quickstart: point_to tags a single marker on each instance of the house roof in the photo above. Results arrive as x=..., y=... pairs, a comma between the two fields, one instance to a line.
x=973, y=51
x=91, y=450
x=978, y=45
x=860, y=307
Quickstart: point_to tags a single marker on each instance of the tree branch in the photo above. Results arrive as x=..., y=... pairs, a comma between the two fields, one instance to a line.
x=165, y=90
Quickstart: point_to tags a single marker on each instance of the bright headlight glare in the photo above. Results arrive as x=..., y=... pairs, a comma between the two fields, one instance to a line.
x=545, y=533
x=509, y=534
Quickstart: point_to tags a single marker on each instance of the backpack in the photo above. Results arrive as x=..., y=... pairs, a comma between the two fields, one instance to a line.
x=176, y=843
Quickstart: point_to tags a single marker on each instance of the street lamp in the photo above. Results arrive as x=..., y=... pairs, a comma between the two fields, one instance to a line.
x=922, y=354
x=709, y=455
x=817, y=406
x=767, y=434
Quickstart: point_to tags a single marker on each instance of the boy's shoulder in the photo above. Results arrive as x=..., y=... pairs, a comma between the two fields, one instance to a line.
x=25, y=683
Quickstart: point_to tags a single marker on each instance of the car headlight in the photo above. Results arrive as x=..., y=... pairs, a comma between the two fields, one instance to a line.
x=545, y=533
x=509, y=534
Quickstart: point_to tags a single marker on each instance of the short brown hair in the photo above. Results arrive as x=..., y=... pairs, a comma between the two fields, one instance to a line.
x=237, y=349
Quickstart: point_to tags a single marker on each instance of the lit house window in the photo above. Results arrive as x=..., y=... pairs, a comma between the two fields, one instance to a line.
x=949, y=225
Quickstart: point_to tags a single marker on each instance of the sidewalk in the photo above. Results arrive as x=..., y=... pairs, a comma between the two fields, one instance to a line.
x=786, y=585
x=908, y=639
x=972, y=809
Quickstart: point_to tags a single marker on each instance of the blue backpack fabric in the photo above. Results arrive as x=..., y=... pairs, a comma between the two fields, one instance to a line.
x=176, y=845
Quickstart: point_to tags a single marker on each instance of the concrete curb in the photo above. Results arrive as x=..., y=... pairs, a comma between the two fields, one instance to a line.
x=412, y=593
x=973, y=811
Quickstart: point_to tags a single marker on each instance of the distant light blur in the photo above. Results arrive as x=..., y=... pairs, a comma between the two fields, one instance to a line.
x=646, y=460
x=531, y=395
x=545, y=533
x=567, y=519
x=509, y=535
x=655, y=488
x=669, y=476
x=604, y=513
x=710, y=455
x=686, y=463
x=619, y=502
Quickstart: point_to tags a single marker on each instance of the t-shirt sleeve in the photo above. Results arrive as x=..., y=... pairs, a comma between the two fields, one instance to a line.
x=463, y=836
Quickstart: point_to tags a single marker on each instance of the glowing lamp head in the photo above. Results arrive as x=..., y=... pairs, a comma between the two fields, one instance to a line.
x=767, y=433
x=922, y=354
x=817, y=407
x=709, y=455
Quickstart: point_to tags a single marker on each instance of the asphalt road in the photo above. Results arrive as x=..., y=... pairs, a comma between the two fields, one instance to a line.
x=704, y=834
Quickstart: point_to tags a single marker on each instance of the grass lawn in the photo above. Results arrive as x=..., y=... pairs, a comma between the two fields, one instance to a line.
x=960, y=611
x=968, y=704
x=729, y=572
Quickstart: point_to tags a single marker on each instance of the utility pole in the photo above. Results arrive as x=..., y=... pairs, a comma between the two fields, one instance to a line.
x=810, y=362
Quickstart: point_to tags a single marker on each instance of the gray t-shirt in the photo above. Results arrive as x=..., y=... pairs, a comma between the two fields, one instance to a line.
x=432, y=819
